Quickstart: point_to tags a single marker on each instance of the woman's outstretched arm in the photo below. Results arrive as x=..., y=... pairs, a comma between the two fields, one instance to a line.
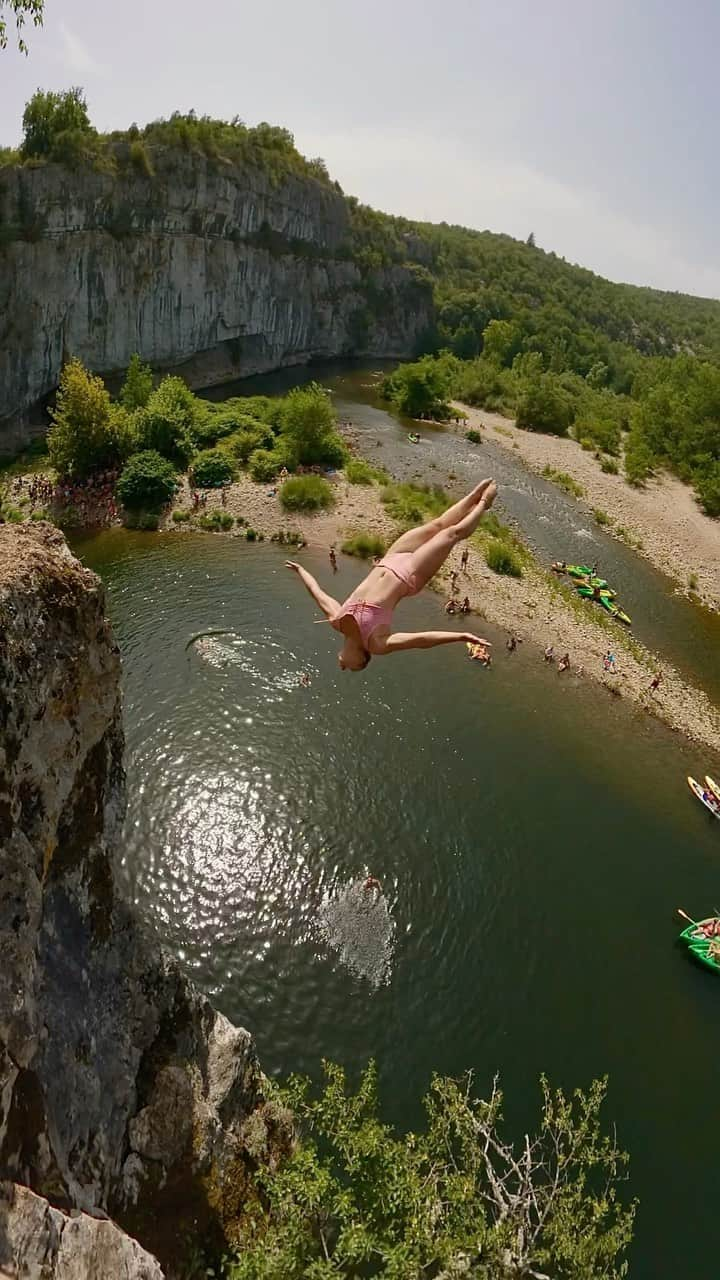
x=402, y=640
x=329, y=605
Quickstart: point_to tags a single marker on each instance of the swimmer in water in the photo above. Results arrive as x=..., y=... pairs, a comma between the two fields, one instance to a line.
x=365, y=618
x=372, y=884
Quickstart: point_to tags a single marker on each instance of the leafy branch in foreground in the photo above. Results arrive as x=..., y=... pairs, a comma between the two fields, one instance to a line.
x=21, y=9
x=353, y=1199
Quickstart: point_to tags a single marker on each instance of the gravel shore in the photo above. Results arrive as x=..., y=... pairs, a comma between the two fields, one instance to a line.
x=535, y=608
x=675, y=534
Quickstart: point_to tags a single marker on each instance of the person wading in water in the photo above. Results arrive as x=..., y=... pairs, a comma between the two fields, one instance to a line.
x=365, y=618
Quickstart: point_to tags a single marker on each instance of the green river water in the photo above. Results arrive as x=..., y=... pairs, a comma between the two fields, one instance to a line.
x=532, y=837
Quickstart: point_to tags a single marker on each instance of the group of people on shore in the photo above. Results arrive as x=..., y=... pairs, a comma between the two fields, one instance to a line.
x=92, y=499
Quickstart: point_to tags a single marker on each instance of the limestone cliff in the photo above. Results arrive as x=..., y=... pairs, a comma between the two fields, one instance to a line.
x=219, y=271
x=122, y=1091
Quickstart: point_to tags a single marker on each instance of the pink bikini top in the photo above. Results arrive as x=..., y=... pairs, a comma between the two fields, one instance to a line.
x=367, y=616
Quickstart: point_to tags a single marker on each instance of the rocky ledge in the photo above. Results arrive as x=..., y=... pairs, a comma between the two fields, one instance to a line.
x=123, y=1093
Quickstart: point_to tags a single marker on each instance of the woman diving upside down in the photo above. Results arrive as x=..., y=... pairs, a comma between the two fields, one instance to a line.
x=365, y=618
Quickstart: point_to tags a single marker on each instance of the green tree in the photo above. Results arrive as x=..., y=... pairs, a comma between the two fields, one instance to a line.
x=422, y=389
x=137, y=387
x=88, y=433
x=212, y=468
x=501, y=341
x=147, y=482
x=308, y=422
x=354, y=1199
x=707, y=485
x=21, y=11
x=544, y=405
x=167, y=423
x=50, y=117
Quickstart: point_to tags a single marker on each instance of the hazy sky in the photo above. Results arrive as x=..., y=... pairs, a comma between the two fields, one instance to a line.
x=591, y=124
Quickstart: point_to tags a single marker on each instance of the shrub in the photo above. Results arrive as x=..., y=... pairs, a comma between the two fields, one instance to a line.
x=147, y=481
x=564, y=480
x=181, y=517
x=353, y=1197
x=474, y=437
x=264, y=465
x=364, y=545
x=245, y=440
x=167, y=423
x=140, y=159
x=358, y=471
x=306, y=493
x=412, y=504
x=137, y=387
x=609, y=466
x=88, y=433
x=215, y=521
x=707, y=487
x=148, y=520
x=503, y=559
x=251, y=535
x=212, y=469
x=601, y=517
x=221, y=421
x=307, y=420
x=693, y=582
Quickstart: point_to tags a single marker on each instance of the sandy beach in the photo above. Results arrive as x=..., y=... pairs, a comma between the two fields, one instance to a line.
x=674, y=533
x=535, y=608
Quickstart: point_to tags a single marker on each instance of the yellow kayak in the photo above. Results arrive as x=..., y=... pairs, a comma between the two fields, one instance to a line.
x=713, y=786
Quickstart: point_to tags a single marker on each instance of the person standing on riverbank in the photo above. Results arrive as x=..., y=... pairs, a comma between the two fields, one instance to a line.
x=364, y=619
x=464, y=560
x=333, y=559
x=656, y=681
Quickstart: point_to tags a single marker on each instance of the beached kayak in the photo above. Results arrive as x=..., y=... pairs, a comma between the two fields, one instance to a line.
x=703, y=954
x=712, y=786
x=414, y=439
x=579, y=571
x=698, y=791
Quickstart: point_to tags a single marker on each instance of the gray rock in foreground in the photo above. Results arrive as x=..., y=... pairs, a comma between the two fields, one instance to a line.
x=38, y=1242
x=121, y=1089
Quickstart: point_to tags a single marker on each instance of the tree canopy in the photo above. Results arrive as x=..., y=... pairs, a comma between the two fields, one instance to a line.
x=457, y=1199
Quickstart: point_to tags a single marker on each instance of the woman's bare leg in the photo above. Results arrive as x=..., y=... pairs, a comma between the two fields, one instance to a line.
x=431, y=556
x=415, y=538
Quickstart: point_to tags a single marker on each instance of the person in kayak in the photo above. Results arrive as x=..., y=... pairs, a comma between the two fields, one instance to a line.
x=365, y=618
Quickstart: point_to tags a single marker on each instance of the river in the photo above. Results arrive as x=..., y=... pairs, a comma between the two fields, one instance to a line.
x=531, y=845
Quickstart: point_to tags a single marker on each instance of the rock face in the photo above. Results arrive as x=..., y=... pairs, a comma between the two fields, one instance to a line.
x=37, y=1241
x=121, y=1089
x=220, y=271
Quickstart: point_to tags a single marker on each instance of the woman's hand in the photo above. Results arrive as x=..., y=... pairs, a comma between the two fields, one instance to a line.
x=290, y=564
x=469, y=638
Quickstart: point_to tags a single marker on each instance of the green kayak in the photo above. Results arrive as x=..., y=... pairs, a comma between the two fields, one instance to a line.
x=579, y=571
x=703, y=955
x=692, y=935
x=622, y=617
x=589, y=592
